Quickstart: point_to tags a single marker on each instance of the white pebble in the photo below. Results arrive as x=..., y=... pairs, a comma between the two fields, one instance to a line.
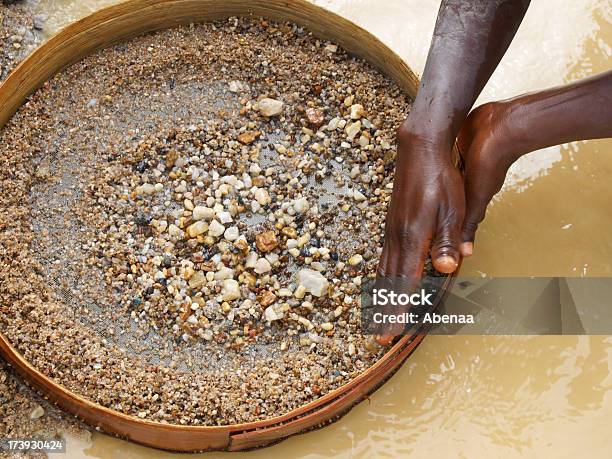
x=232, y=233
x=262, y=266
x=216, y=229
x=314, y=282
x=231, y=290
x=225, y=217
x=357, y=111
x=262, y=196
x=270, y=107
x=301, y=205
x=203, y=213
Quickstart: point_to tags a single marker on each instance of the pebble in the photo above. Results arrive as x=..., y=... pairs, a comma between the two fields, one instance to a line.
x=355, y=260
x=231, y=290
x=37, y=413
x=225, y=217
x=358, y=196
x=262, y=197
x=315, y=117
x=216, y=229
x=313, y=282
x=197, y=228
x=174, y=231
x=203, y=213
x=300, y=292
x=248, y=137
x=232, y=233
x=197, y=280
x=266, y=298
x=262, y=266
x=271, y=314
x=357, y=111
x=352, y=129
x=301, y=205
x=235, y=86
x=270, y=107
x=266, y=241
x=333, y=124
x=331, y=48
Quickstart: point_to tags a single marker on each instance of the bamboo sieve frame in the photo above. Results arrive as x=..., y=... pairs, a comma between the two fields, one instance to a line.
x=134, y=17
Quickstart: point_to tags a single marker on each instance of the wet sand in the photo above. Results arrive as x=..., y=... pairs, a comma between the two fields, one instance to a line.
x=484, y=396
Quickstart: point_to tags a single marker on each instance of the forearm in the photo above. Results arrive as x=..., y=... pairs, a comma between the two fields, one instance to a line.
x=578, y=111
x=470, y=38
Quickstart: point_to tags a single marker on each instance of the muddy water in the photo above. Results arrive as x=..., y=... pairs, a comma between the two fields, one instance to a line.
x=485, y=396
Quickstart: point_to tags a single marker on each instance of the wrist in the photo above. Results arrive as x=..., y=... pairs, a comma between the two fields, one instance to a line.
x=423, y=137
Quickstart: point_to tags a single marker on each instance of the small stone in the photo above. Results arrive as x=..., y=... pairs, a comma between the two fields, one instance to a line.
x=197, y=228
x=235, y=86
x=266, y=241
x=333, y=124
x=197, y=280
x=146, y=188
x=291, y=233
x=300, y=292
x=231, y=290
x=174, y=231
x=270, y=107
x=37, y=412
x=313, y=281
x=248, y=137
x=262, y=266
x=232, y=233
x=315, y=117
x=266, y=298
x=271, y=314
x=207, y=335
x=331, y=48
x=242, y=244
x=225, y=217
x=358, y=196
x=301, y=205
x=352, y=129
x=306, y=323
x=192, y=320
x=327, y=326
x=351, y=349
x=216, y=229
x=251, y=260
x=357, y=111
x=355, y=260
x=303, y=239
x=203, y=213
x=262, y=196
x=171, y=159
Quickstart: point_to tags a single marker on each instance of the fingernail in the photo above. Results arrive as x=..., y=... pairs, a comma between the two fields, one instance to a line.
x=446, y=263
x=467, y=249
